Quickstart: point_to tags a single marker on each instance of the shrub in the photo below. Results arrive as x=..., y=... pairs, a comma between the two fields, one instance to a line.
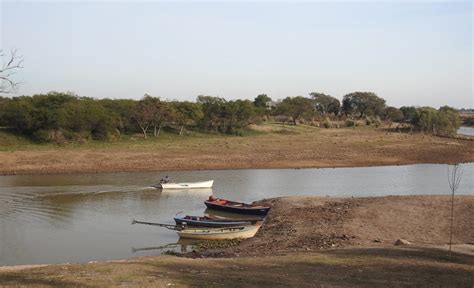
x=350, y=123
x=327, y=124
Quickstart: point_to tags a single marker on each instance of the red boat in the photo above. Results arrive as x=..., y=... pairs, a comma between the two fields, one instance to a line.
x=236, y=207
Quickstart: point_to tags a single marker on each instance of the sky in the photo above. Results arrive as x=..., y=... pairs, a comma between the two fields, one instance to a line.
x=409, y=53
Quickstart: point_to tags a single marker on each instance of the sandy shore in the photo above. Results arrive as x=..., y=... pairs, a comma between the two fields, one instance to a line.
x=302, y=147
x=307, y=242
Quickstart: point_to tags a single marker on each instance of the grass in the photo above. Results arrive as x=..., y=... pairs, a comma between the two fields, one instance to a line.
x=360, y=267
x=270, y=145
x=13, y=142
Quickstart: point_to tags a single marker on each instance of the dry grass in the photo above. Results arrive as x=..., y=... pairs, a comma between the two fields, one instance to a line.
x=368, y=267
x=283, y=147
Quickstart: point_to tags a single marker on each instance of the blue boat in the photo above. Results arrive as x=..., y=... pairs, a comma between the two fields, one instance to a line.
x=206, y=221
x=236, y=207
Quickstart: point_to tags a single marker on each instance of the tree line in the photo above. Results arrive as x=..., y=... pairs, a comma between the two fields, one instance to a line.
x=67, y=117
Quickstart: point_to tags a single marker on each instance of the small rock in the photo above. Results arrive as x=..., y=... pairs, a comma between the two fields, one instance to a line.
x=377, y=240
x=402, y=242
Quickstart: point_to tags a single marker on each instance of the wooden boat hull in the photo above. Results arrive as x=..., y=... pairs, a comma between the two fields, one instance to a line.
x=262, y=211
x=216, y=223
x=189, y=185
x=219, y=233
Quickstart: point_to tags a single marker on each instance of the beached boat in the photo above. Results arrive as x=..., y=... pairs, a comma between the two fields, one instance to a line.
x=208, y=233
x=188, y=185
x=218, y=233
x=206, y=221
x=236, y=207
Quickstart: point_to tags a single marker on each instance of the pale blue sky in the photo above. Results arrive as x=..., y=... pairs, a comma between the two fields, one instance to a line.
x=408, y=53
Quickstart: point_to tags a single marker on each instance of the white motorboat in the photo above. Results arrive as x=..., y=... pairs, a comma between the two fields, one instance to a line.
x=189, y=185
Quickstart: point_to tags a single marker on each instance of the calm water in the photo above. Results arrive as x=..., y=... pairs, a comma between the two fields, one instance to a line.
x=85, y=217
x=466, y=130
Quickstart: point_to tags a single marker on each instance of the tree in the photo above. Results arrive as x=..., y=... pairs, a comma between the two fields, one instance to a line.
x=48, y=113
x=225, y=116
x=295, y=107
x=18, y=115
x=87, y=116
x=144, y=114
x=393, y=114
x=3, y=104
x=212, y=108
x=447, y=121
x=121, y=111
x=454, y=179
x=261, y=101
x=163, y=112
x=187, y=114
x=409, y=114
x=8, y=70
x=424, y=119
x=364, y=103
x=236, y=114
x=325, y=104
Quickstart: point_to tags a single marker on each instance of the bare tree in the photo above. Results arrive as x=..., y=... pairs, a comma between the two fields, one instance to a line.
x=454, y=178
x=7, y=71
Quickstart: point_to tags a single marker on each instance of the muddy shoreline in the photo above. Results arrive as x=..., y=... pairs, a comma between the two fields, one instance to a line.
x=307, y=223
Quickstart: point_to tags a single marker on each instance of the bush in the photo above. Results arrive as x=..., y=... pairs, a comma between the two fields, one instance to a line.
x=52, y=135
x=445, y=121
x=350, y=123
x=327, y=124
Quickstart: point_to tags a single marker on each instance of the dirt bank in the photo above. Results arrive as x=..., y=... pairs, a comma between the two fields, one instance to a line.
x=289, y=147
x=312, y=223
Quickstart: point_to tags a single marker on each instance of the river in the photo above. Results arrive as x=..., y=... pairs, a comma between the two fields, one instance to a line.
x=464, y=130
x=86, y=217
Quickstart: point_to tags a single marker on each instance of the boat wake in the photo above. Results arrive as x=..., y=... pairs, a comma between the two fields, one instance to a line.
x=56, y=204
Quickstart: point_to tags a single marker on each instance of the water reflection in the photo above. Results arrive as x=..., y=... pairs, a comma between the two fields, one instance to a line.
x=182, y=246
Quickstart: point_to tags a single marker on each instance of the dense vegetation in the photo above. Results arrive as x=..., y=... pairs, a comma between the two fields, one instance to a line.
x=60, y=117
